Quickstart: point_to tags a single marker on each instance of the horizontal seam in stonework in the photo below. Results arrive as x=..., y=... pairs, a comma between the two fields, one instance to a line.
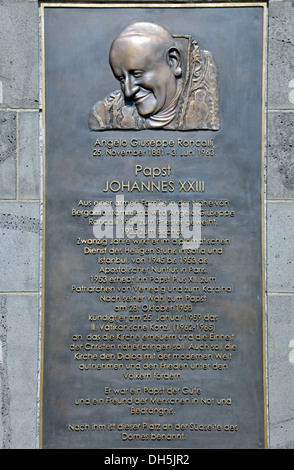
x=280, y=293
x=280, y=200
x=21, y=293
x=21, y=110
x=20, y=200
x=280, y=110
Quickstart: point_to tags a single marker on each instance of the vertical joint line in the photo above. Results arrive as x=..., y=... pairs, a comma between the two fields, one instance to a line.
x=1, y=92
x=17, y=155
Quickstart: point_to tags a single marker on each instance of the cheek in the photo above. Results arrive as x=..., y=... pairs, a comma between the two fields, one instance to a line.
x=153, y=83
x=159, y=93
x=158, y=82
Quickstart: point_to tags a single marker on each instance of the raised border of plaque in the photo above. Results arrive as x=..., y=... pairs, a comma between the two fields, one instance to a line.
x=62, y=392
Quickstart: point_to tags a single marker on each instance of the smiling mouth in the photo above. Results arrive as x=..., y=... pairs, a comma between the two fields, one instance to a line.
x=141, y=98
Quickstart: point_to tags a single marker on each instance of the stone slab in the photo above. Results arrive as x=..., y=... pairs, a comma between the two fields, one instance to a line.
x=7, y=155
x=19, y=58
x=18, y=378
x=280, y=247
x=20, y=246
x=280, y=164
x=281, y=371
x=281, y=55
x=29, y=156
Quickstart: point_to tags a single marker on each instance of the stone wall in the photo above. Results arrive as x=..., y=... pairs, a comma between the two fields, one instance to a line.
x=279, y=222
x=21, y=217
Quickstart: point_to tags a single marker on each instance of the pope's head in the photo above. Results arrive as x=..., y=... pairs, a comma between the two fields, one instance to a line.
x=146, y=61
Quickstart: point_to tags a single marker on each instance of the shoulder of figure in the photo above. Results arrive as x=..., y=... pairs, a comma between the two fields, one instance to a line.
x=100, y=113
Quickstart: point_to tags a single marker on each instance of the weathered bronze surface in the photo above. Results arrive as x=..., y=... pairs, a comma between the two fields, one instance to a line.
x=147, y=344
x=166, y=82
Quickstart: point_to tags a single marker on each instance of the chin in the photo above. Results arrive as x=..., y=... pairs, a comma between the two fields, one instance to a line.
x=145, y=111
x=148, y=107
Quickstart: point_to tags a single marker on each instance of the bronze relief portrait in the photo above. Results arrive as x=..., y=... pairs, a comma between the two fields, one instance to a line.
x=166, y=82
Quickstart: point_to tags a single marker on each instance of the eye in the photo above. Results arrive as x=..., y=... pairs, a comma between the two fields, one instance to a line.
x=137, y=73
x=121, y=79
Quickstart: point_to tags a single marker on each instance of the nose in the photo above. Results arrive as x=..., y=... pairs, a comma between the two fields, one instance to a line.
x=130, y=86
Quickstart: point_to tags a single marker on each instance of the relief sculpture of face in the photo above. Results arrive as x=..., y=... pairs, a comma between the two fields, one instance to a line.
x=145, y=61
x=167, y=82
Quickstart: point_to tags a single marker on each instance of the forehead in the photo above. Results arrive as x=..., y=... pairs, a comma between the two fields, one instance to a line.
x=136, y=52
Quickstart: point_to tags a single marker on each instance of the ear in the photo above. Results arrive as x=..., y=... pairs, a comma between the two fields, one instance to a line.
x=174, y=61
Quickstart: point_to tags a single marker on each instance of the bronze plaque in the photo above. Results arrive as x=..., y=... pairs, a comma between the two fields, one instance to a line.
x=153, y=283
